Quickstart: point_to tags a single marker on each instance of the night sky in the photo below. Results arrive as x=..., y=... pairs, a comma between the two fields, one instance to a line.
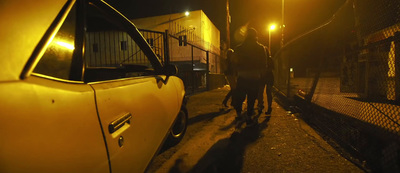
x=300, y=15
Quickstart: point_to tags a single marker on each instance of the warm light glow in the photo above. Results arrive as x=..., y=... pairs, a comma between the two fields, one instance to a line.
x=272, y=27
x=187, y=13
x=291, y=69
x=66, y=45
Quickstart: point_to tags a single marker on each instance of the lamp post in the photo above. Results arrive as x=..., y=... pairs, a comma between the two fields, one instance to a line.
x=271, y=28
x=283, y=21
x=282, y=44
x=228, y=23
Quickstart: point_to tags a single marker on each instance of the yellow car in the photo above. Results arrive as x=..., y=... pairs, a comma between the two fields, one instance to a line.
x=82, y=91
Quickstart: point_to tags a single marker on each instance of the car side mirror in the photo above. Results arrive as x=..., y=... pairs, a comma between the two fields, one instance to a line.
x=170, y=70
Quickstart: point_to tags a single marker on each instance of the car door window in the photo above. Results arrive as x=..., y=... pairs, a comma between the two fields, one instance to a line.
x=110, y=52
x=57, y=59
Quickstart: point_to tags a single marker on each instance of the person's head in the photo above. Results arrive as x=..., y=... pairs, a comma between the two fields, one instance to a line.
x=251, y=34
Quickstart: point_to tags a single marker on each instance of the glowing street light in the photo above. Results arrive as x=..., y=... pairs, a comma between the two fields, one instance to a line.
x=271, y=28
x=187, y=13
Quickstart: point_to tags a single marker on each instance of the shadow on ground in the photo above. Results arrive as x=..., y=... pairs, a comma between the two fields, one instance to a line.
x=226, y=155
x=207, y=116
x=197, y=119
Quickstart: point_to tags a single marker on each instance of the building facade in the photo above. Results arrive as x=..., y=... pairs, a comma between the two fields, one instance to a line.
x=194, y=28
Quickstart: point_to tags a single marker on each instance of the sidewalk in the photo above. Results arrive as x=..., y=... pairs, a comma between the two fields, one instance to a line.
x=279, y=143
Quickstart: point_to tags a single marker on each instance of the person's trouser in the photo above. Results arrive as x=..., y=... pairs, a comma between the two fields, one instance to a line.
x=269, y=82
x=260, y=98
x=227, y=97
x=245, y=87
x=232, y=82
x=232, y=79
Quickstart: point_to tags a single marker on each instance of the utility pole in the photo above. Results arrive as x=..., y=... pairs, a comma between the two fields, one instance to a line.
x=283, y=22
x=228, y=22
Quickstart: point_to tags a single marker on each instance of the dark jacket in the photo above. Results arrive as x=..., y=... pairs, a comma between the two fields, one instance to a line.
x=251, y=58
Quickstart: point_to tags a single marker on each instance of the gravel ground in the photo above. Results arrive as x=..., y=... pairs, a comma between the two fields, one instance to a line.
x=281, y=142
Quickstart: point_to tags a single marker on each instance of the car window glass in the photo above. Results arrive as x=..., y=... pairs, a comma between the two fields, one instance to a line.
x=56, y=61
x=110, y=51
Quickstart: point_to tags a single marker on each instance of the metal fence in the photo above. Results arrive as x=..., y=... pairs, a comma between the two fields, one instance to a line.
x=344, y=75
x=188, y=53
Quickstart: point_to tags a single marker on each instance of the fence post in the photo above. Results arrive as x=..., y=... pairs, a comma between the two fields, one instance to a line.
x=208, y=71
x=397, y=65
x=288, y=77
x=166, y=47
x=193, y=76
x=286, y=59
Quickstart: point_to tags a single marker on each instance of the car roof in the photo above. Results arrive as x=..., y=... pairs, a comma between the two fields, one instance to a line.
x=23, y=23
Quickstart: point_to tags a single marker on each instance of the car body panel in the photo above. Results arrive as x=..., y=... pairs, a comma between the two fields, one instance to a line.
x=22, y=29
x=42, y=132
x=58, y=125
x=180, y=87
x=153, y=106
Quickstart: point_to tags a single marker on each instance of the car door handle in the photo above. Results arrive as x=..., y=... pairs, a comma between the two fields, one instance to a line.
x=119, y=122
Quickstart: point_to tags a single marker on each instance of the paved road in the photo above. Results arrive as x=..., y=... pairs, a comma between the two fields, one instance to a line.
x=279, y=143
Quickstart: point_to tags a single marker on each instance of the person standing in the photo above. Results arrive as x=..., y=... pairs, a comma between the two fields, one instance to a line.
x=267, y=82
x=250, y=62
x=231, y=76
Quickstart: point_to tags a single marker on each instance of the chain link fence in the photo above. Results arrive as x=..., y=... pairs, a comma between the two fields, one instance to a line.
x=344, y=77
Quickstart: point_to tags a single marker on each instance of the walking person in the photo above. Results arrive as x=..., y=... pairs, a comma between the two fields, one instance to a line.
x=250, y=61
x=267, y=83
x=231, y=76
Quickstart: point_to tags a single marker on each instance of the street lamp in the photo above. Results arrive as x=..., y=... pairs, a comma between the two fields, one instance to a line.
x=271, y=28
